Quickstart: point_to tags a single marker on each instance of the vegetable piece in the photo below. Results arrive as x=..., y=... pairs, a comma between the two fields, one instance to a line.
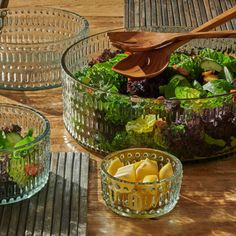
x=31, y=170
x=142, y=124
x=175, y=81
x=210, y=78
x=12, y=139
x=185, y=92
x=228, y=75
x=207, y=65
x=212, y=141
x=218, y=87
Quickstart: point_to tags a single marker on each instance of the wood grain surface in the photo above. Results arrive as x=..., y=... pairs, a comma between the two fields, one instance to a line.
x=207, y=205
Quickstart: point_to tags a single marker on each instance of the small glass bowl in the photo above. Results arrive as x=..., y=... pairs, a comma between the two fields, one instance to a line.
x=32, y=40
x=24, y=170
x=141, y=200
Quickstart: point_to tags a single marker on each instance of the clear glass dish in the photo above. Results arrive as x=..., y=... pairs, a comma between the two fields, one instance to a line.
x=141, y=200
x=32, y=40
x=89, y=112
x=24, y=170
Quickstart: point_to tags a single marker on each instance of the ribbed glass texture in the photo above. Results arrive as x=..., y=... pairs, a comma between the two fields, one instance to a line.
x=32, y=40
x=97, y=119
x=24, y=170
x=141, y=200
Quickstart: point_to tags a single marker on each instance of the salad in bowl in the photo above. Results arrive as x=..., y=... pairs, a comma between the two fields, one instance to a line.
x=187, y=110
x=24, y=152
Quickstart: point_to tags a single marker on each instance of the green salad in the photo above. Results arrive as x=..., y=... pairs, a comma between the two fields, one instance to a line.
x=153, y=112
x=16, y=153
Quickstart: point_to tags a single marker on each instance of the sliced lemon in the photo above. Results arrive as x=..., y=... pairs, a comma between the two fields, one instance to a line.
x=146, y=167
x=166, y=171
x=114, y=166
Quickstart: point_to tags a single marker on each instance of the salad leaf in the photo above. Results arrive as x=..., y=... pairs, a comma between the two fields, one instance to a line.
x=186, y=92
x=212, y=141
x=228, y=75
x=142, y=124
x=217, y=56
x=176, y=58
x=199, y=87
x=231, y=66
x=102, y=76
x=175, y=81
x=218, y=87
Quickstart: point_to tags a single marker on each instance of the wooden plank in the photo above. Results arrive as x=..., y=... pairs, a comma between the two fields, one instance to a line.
x=170, y=13
x=65, y=217
x=83, y=195
x=58, y=197
x=126, y=13
x=198, y=13
x=148, y=15
x=40, y=211
x=30, y=223
x=142, y=13
x=50, y=195
x=131, y=13
x=74, y=217
x=181, y=13
x=159, y=13
x=6, y=217
x=176, y=14
x=23, y=217
x=202, y=11
x=164, y=12
x=136, y=13
x=14, y=219
x=153, y=13
x=186, y=12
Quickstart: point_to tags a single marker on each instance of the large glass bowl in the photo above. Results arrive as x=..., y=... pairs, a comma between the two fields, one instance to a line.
x=194, y=128
x=137, y=199
x=24, y=170
x=32, y=40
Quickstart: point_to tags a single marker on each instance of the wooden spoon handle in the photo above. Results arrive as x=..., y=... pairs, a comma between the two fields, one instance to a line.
x=211, y=24
x=217, y=21
x=210, y=34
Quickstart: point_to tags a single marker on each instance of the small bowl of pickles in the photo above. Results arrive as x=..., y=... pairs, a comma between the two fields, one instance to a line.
x=141, y=182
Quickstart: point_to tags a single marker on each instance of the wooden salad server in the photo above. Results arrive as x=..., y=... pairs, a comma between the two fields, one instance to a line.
x=150, y=42
x=149, y=64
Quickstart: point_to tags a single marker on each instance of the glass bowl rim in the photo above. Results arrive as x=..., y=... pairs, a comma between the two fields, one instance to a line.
x=178, y=171
x=86, y=24
x=64, y=67
x=37, y=139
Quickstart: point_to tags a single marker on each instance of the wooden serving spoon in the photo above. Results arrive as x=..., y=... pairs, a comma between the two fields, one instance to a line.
x=149, y=64
x=162, y=39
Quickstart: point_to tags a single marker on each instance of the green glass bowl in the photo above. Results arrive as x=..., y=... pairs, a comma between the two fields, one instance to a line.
x=24, y=170
x=141, y=200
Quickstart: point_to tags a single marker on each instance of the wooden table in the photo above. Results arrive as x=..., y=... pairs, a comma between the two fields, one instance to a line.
x=207, y=205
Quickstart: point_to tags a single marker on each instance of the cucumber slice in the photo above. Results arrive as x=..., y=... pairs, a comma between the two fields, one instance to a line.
x=211, y=65
x=12, y=139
